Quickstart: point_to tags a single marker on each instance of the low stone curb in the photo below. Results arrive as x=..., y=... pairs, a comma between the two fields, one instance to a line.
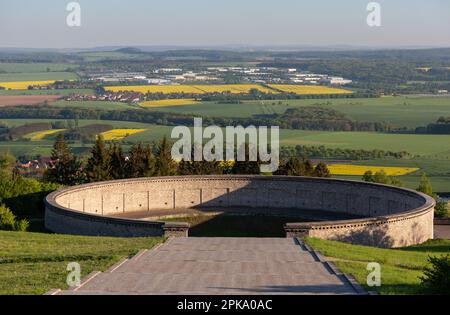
x=88, y=278
x=441, y=221
x=85, y=280
x=116, y=265
x=359, y=289
x=52, y=292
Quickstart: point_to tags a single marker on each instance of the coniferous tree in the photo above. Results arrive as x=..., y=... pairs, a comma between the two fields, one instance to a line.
x=425, y=186
x=134, y=164
x=202, y=167
x=98, y=166
x=149, y=162
x=67, y=169
x=141, y=162
x=321, y=170
x=247, y=167
x=309, y=167
x=293, y=167
x=117, y=161
x=164, y=164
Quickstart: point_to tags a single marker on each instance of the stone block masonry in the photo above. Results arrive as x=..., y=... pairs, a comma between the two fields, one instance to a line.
x=391, y=216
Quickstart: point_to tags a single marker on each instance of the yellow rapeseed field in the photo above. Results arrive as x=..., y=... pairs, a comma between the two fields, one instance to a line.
x=169, y=102
x=40, y=135
x=343, y=169
x=119, y=134
x=191, y=89
x=308, y=89
x=23, y=85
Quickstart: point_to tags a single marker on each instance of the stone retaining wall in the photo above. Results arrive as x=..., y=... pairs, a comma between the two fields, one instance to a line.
x=395, y=217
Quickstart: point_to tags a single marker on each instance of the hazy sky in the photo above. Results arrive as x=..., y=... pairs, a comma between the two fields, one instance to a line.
x=42, y=23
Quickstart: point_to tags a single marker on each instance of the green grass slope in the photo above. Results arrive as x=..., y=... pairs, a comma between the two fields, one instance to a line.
x=33, y=263
x=400, y=268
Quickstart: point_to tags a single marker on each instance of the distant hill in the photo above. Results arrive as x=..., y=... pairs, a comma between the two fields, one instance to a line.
x=129, y=50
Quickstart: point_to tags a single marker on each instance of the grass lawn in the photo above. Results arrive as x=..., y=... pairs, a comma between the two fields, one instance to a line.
x=400, y=268
x=33, y=263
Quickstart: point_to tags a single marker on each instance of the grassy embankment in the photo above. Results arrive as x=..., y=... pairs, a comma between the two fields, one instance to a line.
x=33, y=263
x=400, y=268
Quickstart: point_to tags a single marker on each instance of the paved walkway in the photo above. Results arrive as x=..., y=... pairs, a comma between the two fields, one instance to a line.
x=219, y=266
x=442, y=231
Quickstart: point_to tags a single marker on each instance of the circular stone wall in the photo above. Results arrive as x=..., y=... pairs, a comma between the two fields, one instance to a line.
x=389, y=216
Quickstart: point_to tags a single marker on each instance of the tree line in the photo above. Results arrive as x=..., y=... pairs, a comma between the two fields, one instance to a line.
x=440, y=127
x=322, y=152
x=303, y=118
x=109, y=162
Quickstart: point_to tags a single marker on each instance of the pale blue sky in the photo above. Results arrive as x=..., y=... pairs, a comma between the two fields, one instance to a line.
x=37, y=24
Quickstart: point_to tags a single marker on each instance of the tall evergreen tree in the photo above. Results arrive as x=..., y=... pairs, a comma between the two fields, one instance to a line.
x=309, y=167
x=321, y=170
x=149, y=162
x=165, y=165
x=98, y=166
x=202, y=167
x=67, y=169
x=117, y=161
x=135, y=162
x=247, y=167
x=425, y=186
x=293, y=167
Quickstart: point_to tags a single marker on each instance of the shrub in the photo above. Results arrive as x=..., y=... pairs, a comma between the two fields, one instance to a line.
x=7, y=219
x=436, y=279
x=441, y=210
x=22, y=225
x=24, y=195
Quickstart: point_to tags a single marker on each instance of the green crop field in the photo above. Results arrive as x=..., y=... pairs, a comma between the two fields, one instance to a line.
x=35, y=67
x=37, y=76
x=91, y=105
x=437, y=170
x=402, y=111
x=34, y=263
x=432, y=146
x=47, y=92
x=412, y=143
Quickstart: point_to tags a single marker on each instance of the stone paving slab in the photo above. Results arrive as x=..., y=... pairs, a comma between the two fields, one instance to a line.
x=219, y=266
x=442, y=231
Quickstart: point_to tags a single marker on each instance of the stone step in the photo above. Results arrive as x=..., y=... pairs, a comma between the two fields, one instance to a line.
x=230, y=256
x=196, y=267
x=231, y=241
x=168, y=283
x=205, y=247
x=219, y=266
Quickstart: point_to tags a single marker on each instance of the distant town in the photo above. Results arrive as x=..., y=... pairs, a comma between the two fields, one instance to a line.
x=260, y=75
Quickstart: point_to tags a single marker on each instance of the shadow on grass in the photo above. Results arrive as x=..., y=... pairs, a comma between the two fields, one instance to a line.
x=431, y=246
